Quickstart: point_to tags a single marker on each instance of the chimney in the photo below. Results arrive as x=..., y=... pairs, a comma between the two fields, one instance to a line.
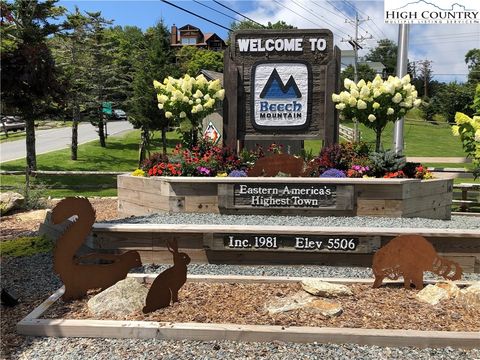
x=173, y=35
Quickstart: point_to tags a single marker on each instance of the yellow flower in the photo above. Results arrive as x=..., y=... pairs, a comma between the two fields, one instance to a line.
x=340, y=106
x=182, y=115
x=156, y=84
x=376, y=105
x=160, y=106
x=220, y=94
x=461, y=118
x=138, y=172
x=390, y=111
x=455, y=131
x=214, y=85
x=372, y=118
x=397, y=98
x=361, y=105
x=168, y=114
x=222, y=174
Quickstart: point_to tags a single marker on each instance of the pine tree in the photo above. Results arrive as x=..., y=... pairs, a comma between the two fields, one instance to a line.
x=156, y=63
x=28, y=73
x=71, y=54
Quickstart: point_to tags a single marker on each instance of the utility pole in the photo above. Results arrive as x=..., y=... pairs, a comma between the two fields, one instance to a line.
x=355, y=42
x=402, y=61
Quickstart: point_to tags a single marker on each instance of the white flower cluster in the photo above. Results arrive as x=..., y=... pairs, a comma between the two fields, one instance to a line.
x=188, y=99
x=376, y=100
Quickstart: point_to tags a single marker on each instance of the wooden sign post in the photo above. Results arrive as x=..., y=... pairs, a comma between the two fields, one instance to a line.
x=278, y=86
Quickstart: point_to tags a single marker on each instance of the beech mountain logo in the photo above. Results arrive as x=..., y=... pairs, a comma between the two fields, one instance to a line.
x=276, y=89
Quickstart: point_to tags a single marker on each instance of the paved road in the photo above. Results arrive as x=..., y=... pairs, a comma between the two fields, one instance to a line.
x=56, y=139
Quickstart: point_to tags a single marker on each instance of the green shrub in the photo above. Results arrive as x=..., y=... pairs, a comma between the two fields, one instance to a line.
x=25, y=246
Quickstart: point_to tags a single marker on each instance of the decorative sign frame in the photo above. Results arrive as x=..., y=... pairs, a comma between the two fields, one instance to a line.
x=269, y=198
x=315, y=61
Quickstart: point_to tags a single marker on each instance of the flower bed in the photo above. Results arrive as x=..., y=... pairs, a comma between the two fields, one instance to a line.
x=229, y=195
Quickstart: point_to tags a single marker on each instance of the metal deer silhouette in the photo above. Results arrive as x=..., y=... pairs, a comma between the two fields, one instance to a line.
x=409, y=256
x=165, y=287
x=79, y=277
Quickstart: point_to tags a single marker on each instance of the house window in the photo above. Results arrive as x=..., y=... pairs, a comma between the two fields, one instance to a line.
x=188, y=41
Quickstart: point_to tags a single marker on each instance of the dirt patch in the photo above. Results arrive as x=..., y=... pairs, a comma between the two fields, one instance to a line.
x=27, y=223
x=383, y=308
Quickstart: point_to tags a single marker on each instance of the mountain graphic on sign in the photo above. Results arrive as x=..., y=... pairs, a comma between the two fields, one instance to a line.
x=275, y=89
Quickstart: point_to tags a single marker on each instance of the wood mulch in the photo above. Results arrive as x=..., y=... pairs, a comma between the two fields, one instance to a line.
x=389, y=307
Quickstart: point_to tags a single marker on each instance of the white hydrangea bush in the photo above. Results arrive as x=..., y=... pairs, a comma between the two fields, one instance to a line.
x=188, y=100
x=375, y=103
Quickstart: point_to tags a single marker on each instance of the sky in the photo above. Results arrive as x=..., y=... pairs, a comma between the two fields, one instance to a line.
x=444, y=44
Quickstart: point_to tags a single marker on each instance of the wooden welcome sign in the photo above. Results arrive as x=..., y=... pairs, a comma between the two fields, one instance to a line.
x=278, y=86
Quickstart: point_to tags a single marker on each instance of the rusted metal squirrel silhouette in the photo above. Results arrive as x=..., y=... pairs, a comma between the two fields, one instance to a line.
x=409, y=256
x=76, y=276
x=166, y=285
x=272, y=165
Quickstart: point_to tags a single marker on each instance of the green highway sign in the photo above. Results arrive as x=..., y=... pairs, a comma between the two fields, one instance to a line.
x=107, y=108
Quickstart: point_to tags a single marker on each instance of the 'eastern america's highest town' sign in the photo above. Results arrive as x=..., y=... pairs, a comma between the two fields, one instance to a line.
x=279, y=84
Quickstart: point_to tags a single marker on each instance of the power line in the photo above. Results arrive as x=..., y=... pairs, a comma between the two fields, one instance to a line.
x=296, y=13
x=218, y=11
x=320, y=17
x=362, y=12
x=236, y=12
x=192, y=13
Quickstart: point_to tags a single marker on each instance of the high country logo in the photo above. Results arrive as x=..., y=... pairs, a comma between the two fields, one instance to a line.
x=427, y=12
x=280, y=95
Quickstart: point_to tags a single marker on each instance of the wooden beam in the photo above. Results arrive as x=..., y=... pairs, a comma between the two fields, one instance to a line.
x=251, y=333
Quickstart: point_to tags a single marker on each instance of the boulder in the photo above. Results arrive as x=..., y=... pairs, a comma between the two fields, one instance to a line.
x=302, y=300
x=432, y=294
x=325, y=289
x=123, y=298
x=452, y=289
x=470, y=296
x=10, y=201
x=325, y=307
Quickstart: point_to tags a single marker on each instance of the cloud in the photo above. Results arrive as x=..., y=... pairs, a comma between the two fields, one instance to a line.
x=444, y=44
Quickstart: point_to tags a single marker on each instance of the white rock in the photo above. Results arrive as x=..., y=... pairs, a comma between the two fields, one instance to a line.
x=123, y=298
x=10, y=201
x=325, y=289
x=470, y=296
x=432, y=294
x=302, y=300
x=452, y=289
x=289, y=303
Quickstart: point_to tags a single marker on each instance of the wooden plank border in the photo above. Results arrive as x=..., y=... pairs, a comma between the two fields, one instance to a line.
x=34, y=326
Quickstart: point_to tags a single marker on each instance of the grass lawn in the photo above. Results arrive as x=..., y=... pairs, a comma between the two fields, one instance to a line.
x=421, y=138
x=121, y=154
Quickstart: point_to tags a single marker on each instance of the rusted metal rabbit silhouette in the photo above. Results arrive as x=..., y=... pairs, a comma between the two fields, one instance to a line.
x=409, y=256
x=79, y=277
x=165, y=287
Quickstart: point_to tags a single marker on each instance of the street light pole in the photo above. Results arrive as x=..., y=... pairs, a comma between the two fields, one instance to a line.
x=402, y=62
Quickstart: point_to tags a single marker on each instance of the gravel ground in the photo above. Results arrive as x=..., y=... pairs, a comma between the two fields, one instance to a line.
x=457, y=222
x=32, y=279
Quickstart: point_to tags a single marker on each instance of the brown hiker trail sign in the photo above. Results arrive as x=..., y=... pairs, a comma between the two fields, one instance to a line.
x=278, y=86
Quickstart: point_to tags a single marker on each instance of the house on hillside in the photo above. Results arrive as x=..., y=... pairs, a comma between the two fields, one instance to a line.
x=190, y=35
x=348, y=58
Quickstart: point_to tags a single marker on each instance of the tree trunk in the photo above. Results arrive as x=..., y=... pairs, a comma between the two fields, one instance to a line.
x=164, y=140
x=30, y=142
x=101, y=132
x=378, y=139
x=74, y=147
